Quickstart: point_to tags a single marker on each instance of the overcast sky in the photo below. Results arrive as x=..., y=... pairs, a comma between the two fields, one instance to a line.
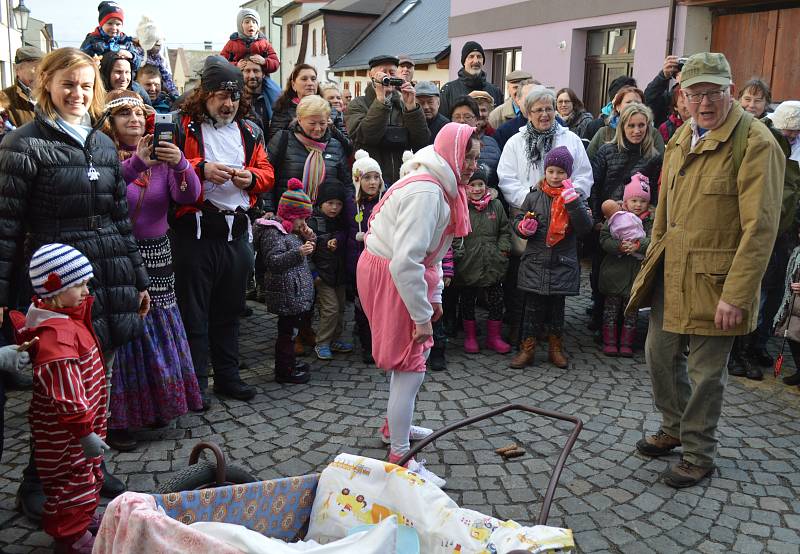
x=184, y=23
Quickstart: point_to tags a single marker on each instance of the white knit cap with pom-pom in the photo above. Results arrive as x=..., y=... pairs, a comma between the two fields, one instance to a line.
x=147, y=33
x=786, y=116
x=364, y=164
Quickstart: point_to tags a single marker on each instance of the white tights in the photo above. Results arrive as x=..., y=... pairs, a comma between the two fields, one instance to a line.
x=403, y=389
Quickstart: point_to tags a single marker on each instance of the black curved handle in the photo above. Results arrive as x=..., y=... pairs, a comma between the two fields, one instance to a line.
x=559, y=467
x=218, y=455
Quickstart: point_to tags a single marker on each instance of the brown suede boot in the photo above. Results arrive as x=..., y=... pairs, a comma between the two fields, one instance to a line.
x=555, y=352
x=527, y=352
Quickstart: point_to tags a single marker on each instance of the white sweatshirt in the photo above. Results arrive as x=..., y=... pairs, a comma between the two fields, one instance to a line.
x=410, y=226
x=518, y=177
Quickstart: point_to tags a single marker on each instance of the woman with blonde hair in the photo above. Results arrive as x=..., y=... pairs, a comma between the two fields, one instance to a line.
x=625, y=96
x=60, y=181
x=632, y=150
x=154, y=381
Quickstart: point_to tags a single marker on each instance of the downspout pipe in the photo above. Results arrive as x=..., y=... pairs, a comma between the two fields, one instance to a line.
x=673, y=7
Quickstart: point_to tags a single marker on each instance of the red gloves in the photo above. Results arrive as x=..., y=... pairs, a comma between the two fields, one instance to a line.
x=568, y=194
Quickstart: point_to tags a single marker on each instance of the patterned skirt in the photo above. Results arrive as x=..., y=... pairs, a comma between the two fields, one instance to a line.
x=153, y=380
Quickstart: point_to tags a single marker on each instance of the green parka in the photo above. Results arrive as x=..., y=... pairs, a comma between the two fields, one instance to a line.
x=618, y=271
x=481, y=258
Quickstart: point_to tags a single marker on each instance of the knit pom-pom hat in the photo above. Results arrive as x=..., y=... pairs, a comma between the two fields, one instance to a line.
x=364, y=164
x=559, y=157
x=639, y=187
x=57, y=267
x=148, y=34
x=108, y=10
x=294, y=204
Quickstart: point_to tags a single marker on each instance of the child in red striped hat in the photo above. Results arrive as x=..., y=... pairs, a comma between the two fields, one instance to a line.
x=108, y=36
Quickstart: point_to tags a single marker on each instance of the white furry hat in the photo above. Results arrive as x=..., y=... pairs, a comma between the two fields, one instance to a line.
x=786, y=117
x=147, y=33
x=364, y=164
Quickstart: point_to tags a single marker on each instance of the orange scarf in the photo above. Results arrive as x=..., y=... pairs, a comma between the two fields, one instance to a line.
x=559, y=219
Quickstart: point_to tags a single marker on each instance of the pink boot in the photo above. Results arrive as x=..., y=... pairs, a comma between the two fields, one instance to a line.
x=470, y=338
x=493, y=339
x=610, y=339
x=626, y=338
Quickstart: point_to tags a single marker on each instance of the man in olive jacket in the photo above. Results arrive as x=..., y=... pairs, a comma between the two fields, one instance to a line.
x=387, y=120
x=16, y=99
x=711, y=242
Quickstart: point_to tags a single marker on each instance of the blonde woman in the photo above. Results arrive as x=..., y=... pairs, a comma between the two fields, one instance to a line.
x=632, y=150
x=60, y=181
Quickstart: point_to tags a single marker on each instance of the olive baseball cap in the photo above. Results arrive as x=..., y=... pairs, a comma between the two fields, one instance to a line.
x=706, y=67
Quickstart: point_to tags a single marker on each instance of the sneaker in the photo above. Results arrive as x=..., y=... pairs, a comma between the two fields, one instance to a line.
x=685, y=474
x=341, y=346
x=323, y=352
x=417, y=433
x=658, y=444
x=419, y=468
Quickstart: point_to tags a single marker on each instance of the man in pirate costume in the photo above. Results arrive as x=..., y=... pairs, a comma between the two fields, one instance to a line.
x=212, y=257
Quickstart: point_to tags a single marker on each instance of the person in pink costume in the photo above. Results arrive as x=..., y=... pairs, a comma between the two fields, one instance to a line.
x=399, y=275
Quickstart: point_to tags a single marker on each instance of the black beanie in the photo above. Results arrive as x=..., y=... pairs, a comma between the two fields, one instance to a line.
x=218, y=74
x=330, y=192
x=107, y=10
x=469, y=47
x=481, y=174
x=618, y=83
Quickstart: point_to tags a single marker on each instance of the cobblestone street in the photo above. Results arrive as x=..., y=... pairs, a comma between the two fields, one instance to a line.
x=609, y=496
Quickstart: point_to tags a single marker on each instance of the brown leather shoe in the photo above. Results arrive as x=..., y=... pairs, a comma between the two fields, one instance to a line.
x=527, y=352
x=555, y=352
x=685, y=474
x=658, y=444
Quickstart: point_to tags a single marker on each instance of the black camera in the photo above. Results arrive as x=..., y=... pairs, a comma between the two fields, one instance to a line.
x=682, y=61
x=392, y=82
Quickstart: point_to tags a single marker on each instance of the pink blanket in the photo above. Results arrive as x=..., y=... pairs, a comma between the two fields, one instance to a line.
x=132, y=523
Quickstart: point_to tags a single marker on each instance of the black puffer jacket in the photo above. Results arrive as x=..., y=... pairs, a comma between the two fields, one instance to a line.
x=46, y=196
x=329, y=265
x=612, y=169
x=288, y=157
x=284, y=119
x=465, y=84
x=551, y=271
x=490, y=156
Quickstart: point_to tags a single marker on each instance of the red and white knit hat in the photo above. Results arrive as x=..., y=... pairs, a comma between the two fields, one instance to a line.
x=57, y=267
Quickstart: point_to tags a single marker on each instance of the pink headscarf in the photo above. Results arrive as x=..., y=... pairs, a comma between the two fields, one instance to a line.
x=452, y=143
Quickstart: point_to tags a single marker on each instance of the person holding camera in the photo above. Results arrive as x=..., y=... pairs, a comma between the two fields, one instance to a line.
x=154, y=381
x=212, y=253
x=387, y=120
x=658, y=96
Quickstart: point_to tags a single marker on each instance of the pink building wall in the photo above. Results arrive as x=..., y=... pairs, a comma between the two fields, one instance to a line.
x=547, y=62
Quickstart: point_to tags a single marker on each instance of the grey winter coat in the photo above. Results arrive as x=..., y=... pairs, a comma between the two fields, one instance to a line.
x=552, y=271
x=288, y=284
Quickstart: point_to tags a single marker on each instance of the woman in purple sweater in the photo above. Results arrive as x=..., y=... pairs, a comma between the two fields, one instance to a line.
x=154, y=380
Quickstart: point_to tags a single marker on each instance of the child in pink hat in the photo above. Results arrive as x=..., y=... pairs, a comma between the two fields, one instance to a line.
x=625, y=237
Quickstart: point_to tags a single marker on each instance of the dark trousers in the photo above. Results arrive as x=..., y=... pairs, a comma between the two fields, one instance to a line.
x=362, y=329
x=210, y=283
x=772, y=289
x=494, y=301
x=514, y=299
x=284, y=344
x=544, y=315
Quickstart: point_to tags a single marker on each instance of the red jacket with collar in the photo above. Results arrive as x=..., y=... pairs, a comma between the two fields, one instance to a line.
x=190, y=140
x=238, y=48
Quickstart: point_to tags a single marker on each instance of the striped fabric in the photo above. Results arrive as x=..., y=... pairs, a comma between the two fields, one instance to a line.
x=56, y=267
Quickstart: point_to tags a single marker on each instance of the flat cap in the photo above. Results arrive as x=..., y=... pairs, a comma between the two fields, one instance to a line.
x=404, y=58
x=426, y=88
x=383, y=58
x=518, y=75
x=28, y=53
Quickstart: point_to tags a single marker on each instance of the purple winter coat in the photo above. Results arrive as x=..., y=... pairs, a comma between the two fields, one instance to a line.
x=354, y=247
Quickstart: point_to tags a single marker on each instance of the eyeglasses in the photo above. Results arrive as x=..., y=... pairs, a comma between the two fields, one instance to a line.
x=539, y=111
x=712, y=95
x=463, y=118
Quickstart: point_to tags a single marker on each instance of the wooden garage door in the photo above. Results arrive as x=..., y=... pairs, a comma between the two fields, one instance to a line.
x=762, y=44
